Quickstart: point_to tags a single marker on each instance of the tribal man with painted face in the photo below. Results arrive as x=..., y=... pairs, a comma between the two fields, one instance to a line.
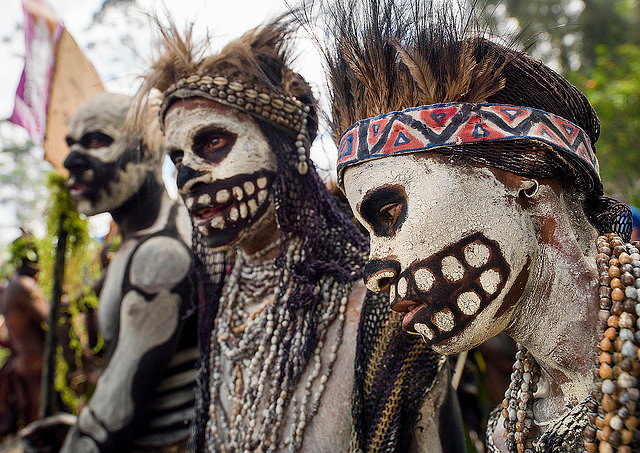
x=144, y=398
x=473, y=168
x=279, y=331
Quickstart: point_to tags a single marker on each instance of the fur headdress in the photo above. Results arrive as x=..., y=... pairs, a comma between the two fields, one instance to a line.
x=252, y=74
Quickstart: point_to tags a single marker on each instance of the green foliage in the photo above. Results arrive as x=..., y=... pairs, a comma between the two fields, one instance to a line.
x=81, y=269
x=596, y=44
x=613, y=87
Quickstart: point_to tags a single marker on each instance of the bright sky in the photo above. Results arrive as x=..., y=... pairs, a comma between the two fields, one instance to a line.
x=120, y=46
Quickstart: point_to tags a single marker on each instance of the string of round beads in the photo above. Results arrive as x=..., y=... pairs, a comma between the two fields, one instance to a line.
x=518, y=402
x=266, y=357
x=612, y=409
x=613, y=417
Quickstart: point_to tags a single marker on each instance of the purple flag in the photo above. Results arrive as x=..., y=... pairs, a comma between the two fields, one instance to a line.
x=42, y=31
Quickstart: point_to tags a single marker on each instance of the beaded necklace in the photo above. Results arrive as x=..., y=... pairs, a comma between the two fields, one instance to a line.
x=264, y=349
x=607, y=420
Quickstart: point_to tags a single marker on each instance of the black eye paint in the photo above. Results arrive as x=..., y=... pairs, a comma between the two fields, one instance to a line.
x=92, y=140
x=385, y=209
x=213, y=144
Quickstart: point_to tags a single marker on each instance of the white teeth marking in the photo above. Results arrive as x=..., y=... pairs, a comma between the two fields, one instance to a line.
x=490, y=280
x=452, y=269
x=222, y=196
x=188, y=202
x=476, y=254
x=253, y=206
x=249, y=188
x=423, y=330
x=243, y=210
x=392, y=294
x=217, y=223
x=262, y=182
x=468, y=302
x=233, y=214
x=205, y=198
x=238, y=193
x=262, y=195
x=424, y=279
x=402, y=287
x=444, y=320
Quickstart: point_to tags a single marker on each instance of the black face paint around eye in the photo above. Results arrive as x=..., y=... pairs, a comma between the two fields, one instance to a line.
x=385, y=209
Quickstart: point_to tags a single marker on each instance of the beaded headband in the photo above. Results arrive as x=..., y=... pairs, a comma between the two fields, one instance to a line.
x=430, y=127
x=285, y=112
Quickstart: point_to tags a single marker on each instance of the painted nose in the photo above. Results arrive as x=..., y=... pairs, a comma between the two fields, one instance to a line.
x=186, y=174
x=75, y=162
x=379, y=274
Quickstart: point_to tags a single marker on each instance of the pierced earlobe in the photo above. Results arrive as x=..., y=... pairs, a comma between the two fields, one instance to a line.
x=530, y=188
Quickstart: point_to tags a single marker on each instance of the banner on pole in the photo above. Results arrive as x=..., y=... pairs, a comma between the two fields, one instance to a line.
x=57, y=78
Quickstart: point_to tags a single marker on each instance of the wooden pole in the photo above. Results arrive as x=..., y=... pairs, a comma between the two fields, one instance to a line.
x=48, y=400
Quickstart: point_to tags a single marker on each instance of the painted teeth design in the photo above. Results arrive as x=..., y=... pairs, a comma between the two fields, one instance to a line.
x=262, y=195
x=205, y=199
x=243, y=210
x=476, y=254
x=444, y=320
x=424, y=279
x=217, y=223
x=262, y=182
x=249, y=188
x=402, y=287
x=188, y=202
x=423, y=330
x=233, y=214
x=468, y=302
x=454, y=284
x=238, y=193
x=392, y=294
x=222, y=196
x=490, y=280
x=452, y=269
x=253, y=206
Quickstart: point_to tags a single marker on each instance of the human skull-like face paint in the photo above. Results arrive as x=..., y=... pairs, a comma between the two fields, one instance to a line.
x=105, y=167
x=450, y=241
x=225, y=169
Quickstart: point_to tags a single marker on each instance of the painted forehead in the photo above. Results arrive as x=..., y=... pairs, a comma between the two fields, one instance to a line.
x=360, y=179
x=187, y=117
x=94, y=121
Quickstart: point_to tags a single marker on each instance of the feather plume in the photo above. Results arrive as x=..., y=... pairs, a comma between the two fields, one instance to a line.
x=389, y=55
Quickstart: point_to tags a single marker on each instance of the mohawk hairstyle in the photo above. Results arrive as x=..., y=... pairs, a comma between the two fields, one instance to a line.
x=387, y=56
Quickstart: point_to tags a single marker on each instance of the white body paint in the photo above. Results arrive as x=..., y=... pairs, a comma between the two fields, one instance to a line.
x=330, y=428
x=152, y=275
x=446, y=203
x=158, y=319
x=555, y=313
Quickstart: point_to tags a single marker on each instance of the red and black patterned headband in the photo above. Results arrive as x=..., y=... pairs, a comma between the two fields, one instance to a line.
x=436, y=126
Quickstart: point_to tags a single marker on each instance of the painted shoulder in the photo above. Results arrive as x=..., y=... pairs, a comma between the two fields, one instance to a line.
x=160, y=262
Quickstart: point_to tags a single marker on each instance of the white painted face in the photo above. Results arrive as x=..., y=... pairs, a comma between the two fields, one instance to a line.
x=449, y=240
x=225, y=169
x=105, y=168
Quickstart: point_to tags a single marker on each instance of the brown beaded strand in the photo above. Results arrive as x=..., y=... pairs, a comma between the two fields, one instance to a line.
x=517, y=406
x=613, y=417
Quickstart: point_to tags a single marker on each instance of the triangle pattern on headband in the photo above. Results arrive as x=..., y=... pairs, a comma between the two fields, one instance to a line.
x=400, y=139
